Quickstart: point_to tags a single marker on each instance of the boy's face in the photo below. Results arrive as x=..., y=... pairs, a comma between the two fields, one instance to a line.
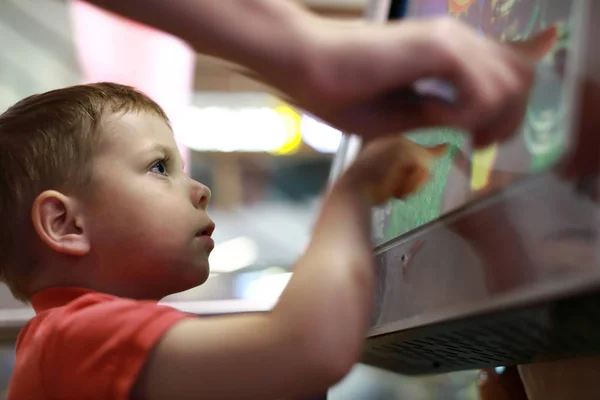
x=146, y=219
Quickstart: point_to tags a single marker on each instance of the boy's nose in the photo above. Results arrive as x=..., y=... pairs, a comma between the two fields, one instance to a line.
x=200, y=195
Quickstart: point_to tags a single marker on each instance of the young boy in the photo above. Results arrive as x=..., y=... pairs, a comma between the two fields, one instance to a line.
x=100, y=222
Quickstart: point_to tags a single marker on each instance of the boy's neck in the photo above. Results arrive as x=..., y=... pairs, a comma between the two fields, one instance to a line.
x=60, y=272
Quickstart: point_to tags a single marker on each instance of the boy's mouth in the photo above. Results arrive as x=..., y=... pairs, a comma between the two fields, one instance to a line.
x=207, y=230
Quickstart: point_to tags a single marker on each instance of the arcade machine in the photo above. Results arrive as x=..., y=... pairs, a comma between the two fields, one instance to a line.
x=494, y=262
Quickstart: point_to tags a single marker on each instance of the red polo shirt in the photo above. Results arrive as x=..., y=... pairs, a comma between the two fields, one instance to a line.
x=86, y=345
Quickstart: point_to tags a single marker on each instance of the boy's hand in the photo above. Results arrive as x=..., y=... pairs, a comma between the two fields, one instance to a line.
x=392, y=167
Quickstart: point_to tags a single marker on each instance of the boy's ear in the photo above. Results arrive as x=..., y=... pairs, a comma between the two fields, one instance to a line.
x=58, y=221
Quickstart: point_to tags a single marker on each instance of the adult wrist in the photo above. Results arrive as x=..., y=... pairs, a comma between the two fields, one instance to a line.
x=307, y=57
x=299, y=59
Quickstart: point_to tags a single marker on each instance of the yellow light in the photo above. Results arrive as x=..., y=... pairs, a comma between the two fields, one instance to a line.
x=291, y=122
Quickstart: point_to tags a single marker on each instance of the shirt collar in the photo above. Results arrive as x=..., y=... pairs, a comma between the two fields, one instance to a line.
x=56, y=297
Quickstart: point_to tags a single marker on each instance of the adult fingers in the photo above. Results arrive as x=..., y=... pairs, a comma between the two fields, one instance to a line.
x=536, y=47
x=392, y=113
x=503, y=127
x=514, y=76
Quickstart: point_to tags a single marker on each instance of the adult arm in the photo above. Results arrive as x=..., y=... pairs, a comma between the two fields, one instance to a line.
x=269, y=36
x=358, y=78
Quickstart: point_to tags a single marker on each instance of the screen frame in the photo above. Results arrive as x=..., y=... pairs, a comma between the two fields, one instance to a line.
x=538, y=302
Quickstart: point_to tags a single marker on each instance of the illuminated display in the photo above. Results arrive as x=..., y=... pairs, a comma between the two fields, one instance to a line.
x=464, y=175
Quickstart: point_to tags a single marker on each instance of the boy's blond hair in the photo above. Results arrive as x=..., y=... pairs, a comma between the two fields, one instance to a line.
x=47, y=141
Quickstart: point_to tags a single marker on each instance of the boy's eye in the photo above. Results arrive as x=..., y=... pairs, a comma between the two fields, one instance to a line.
x=159, y=168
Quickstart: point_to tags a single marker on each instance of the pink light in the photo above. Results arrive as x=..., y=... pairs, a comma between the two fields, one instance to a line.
x=112, y=48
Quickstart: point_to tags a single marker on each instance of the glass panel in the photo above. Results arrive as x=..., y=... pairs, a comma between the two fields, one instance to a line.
x=466, y=174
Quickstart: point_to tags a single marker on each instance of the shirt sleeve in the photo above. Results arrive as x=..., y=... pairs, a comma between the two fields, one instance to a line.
x=96, y=351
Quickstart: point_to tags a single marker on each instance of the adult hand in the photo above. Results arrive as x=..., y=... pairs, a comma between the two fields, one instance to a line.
x=362, y=78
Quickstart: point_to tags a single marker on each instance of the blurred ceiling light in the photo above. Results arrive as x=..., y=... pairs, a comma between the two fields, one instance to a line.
x=210, y=307
x=267, y=288
x=233, y=254
x=247, y=129
x=291, y=122
x=319, y=135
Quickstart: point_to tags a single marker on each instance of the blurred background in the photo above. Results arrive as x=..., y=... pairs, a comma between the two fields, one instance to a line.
x=266, y=163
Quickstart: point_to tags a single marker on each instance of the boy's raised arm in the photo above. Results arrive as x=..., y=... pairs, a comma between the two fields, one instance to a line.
x=314, y=335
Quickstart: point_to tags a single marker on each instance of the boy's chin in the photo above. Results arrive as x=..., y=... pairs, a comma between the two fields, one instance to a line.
x=195, y=276
x=182, y=278
x=201, y=278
